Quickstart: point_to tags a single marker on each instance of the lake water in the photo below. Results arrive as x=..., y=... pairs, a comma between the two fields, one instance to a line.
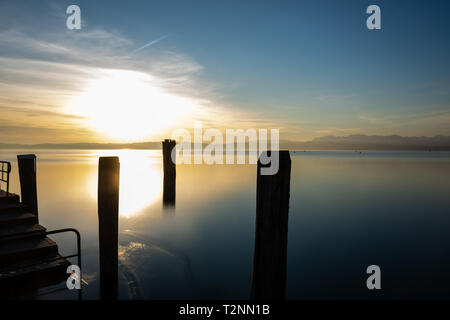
x=347, y=211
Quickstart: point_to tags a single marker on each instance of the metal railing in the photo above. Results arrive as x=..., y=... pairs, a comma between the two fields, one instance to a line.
x=5, y=170
x=78, y=254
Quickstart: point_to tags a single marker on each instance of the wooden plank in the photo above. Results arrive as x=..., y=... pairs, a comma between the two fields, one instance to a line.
x=12, y=208
x=272, y=209
x=14, y=219
x=8, y=199
x=22, y=229
x=14, y=251
x=31, y=274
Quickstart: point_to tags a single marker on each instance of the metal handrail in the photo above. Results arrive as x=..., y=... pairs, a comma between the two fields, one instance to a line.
x=78, y=254
x=4, y=172
x=73, y=255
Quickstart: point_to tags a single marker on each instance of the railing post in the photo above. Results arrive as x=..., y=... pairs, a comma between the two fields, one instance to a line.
x=270, y=253
x=7, y=178
x=169, y=173
x=27, y=176
x=108, y=224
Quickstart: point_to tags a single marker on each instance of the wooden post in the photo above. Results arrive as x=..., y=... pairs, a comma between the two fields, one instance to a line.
x=27, y=176
x=169, y=173
x=270, y=253
x=108, y=223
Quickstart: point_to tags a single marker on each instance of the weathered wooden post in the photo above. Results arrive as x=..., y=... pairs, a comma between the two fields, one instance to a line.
x=27, y=176
x=169, y=173
x=108, y=224
x=270, y=253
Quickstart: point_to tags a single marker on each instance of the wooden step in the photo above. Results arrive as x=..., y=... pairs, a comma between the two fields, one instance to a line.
x=8, y=199
x=14, y=251
x=33, y=274
x=12, y=208
x=30, y=230
x=14, y=219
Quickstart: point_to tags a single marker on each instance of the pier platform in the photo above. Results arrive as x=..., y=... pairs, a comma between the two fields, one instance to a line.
x=29, y=260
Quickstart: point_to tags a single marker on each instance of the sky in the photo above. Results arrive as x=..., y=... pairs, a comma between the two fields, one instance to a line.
x=137, y=70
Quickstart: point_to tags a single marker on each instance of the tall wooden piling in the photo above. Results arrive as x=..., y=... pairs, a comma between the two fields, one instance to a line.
x=27, y=176
x=108, y=223
x=169, y=173
x=270, y=253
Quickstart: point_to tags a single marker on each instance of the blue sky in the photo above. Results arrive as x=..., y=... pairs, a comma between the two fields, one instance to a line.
x=311, y=68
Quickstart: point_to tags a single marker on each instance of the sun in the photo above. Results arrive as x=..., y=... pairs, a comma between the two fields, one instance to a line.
x=129, y=105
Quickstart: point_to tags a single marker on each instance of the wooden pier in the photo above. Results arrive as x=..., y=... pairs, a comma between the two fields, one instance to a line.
x=28, y=258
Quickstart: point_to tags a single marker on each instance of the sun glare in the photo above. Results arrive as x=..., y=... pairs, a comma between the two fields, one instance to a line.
x=140, y=180
x=129, y=106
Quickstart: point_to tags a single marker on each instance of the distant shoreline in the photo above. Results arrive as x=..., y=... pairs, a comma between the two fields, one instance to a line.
x=359, y=149
x=350, y=143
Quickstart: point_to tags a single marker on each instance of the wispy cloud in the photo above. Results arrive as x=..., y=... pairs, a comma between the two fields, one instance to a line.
x=39, y=78
x=149, y=44
x=30, y=112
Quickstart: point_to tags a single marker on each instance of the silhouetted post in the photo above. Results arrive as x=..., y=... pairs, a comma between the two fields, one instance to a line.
x=272, y=208
x=27, y=176
x=108, y=223
x=169, y=173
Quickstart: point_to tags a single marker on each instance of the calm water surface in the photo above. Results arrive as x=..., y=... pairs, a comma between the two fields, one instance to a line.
x=347, y=211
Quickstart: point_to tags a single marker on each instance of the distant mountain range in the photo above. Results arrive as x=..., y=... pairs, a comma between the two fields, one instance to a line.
x=351, y=142
x=365, y=142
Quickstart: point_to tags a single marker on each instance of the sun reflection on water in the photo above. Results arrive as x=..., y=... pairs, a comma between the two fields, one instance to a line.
x=140, y=180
